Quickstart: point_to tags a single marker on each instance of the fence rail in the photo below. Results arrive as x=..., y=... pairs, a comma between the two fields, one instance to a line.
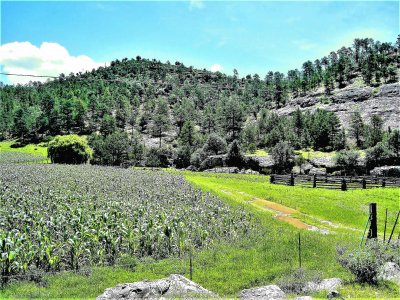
x=335, y=182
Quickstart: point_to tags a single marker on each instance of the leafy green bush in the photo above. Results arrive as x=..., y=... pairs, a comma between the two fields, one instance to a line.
x=69, y=149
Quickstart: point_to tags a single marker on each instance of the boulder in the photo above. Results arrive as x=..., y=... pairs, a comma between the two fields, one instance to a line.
x=391, y=171
x=390, y=271
x=270, y=292
x=223, y=170
x=323, y=162
x=174, y=286
x=325, y=284
x=317, y=171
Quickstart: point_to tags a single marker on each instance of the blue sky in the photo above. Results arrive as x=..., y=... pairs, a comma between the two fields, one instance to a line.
x=253, y=37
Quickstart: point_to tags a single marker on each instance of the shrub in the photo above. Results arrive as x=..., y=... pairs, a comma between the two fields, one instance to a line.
x=365, y=263
x=215, y=144
x=69, y=149
x=378, y=155
x=347, y=160
x=234, y=156
x=182, y=159
x=197, y=157
x=159, y=157
x=283, y=156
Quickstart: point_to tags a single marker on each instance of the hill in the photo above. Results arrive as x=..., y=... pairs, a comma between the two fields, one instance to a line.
x=163, y=104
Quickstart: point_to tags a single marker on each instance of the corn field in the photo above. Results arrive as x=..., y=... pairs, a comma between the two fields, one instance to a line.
x=62, y=217
x=17, y=157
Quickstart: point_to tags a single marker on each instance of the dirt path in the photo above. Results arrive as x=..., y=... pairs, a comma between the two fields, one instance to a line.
x=281, y=212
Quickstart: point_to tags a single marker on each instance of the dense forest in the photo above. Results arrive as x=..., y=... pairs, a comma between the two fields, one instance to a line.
x=202, y=112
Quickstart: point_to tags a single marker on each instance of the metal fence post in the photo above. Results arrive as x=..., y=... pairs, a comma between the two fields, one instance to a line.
x=373, y=229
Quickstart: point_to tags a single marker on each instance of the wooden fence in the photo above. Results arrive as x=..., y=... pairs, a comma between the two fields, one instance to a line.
x=335, y=182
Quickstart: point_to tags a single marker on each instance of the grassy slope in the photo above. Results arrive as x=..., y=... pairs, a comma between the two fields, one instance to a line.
x=266, y=256
x=28, y=149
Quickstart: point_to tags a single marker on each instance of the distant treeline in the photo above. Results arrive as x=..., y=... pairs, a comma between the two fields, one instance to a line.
x=142, y=96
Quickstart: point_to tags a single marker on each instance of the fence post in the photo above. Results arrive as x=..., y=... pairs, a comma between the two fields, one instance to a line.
x=383, y=182
x=291, y=179
x=191, y=265
x=314, y=181
x=364, y=183
x=344, y=185
x=384, y=231
x=394, y=226
x=299, y=252
x=373, y=229
x=272, y=179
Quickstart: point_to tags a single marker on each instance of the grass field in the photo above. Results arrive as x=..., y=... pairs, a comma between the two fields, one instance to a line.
x=31, y=149
x=267, y=255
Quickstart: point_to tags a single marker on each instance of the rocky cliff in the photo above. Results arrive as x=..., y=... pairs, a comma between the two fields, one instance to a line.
x=383, y=101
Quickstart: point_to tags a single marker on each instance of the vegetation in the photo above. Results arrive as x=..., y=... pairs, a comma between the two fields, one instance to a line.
x=365, y=263
x=69, y=149
x=99, y=214
x=149, y=99
x=272, y=258
x=18, y=157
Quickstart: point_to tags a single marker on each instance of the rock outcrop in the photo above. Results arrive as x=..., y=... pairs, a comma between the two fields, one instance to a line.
x=390, y=271
x=328, y=284
x=383, y=101
x=393, y=171
x=271, y=292
x=174, y=286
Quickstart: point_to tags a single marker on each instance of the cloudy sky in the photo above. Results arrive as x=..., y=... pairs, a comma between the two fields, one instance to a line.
x=49, y=38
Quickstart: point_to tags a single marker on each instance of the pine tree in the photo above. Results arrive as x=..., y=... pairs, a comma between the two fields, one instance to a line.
x=357, y=129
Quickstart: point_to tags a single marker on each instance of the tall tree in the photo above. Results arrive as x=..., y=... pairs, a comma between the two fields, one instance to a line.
x=161, y=119
x=357, y=129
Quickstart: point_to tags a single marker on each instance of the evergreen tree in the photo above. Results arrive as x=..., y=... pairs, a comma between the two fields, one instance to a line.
x=357, y=129
x=161, y=120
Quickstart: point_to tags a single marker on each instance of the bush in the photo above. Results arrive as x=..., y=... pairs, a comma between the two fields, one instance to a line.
x=365, y=263
x=234, y=157
x=215, y=144
x=69, y=149
x=347, y=160
x=197, y=157
x=159, y=157
x=379, y=155
x=283, y=156
x=182, y=159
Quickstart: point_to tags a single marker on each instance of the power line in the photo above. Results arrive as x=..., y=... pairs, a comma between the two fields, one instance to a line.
x=27, y=75
x=58, y=77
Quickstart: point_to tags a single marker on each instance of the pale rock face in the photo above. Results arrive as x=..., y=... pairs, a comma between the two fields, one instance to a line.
x=270, y=292
x=174, y=286
x=390, y=271
x=325, y=284
x=383, y=101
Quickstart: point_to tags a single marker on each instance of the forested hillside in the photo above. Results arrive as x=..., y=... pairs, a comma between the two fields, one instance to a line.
x=148, y=104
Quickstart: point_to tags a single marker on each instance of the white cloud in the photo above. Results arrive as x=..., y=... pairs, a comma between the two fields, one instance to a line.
x=216, y=68
x=196, y=4
x=48, y=59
